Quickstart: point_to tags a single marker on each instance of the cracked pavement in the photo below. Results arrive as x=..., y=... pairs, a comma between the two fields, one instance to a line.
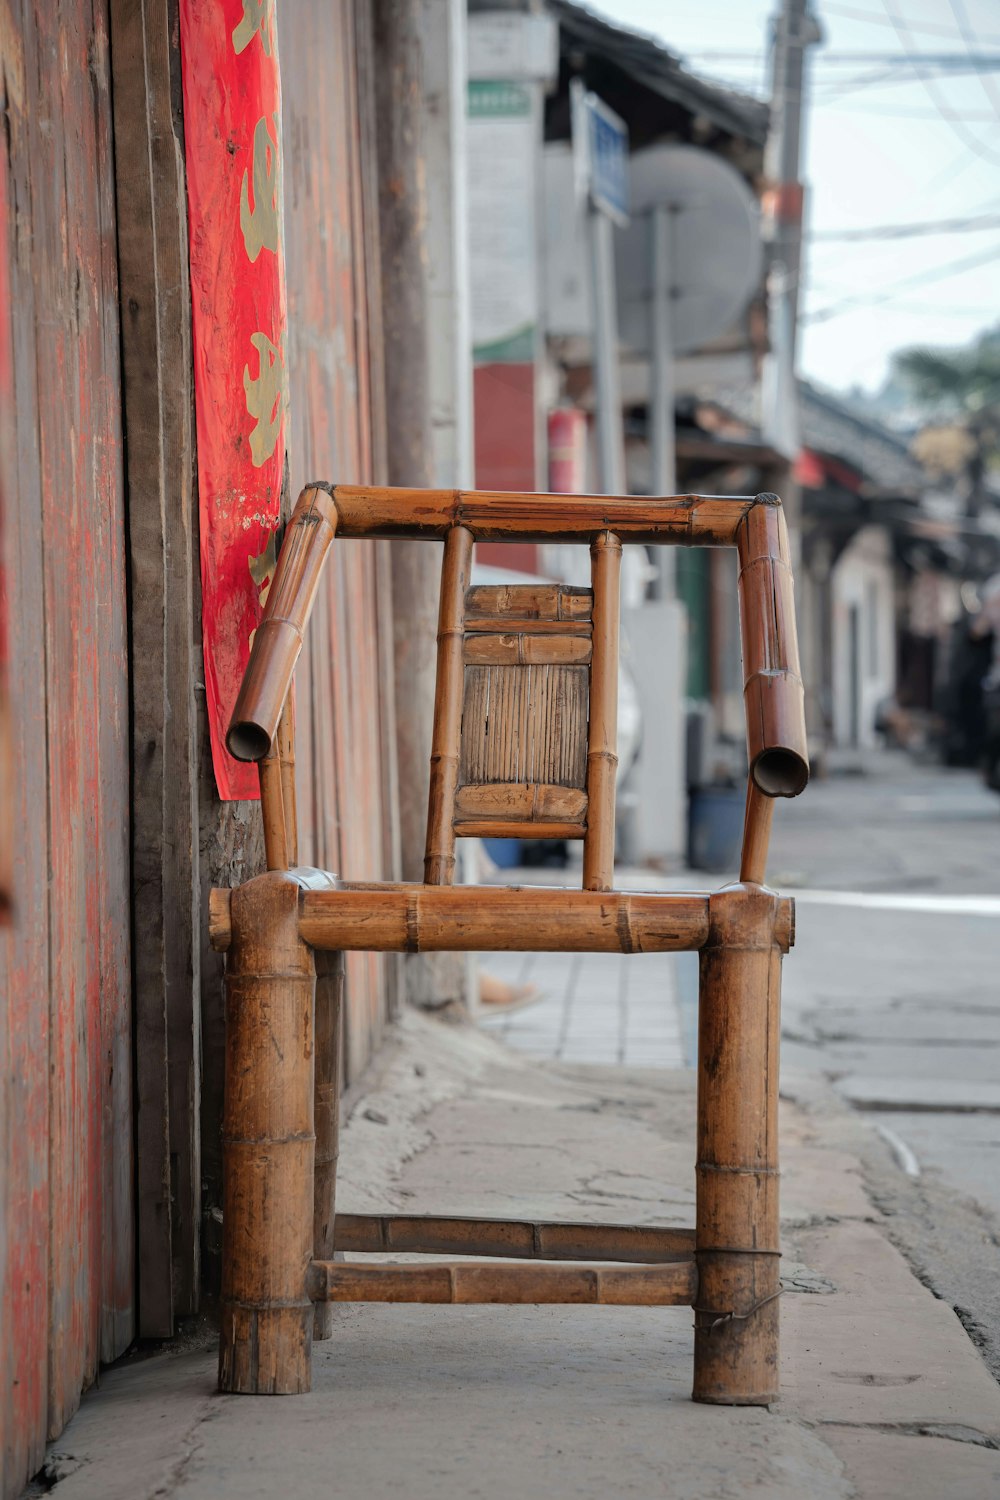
x=883, y=1393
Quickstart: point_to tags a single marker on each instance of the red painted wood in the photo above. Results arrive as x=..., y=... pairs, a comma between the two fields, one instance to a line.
x=65, y=1210
x=234, y=155
x=24, y=947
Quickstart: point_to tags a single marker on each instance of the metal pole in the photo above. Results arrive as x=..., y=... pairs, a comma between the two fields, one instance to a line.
x=663, y=455
x=610, y=436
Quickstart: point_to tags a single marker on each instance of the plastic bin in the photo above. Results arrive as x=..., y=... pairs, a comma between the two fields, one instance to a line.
x=715, y=828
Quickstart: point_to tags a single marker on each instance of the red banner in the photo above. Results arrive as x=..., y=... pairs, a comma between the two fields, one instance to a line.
x=232, y=134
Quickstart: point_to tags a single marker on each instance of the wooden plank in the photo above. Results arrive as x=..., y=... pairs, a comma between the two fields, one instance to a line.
x=526, y=650
x=24, y=946
x=114, y=1238
x=518, y=828
x=492, y=625
x=158, y=397
x=528, y=601
x=520, y=802
x=63, y=345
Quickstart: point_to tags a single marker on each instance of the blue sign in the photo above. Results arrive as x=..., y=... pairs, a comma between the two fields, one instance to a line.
x=600, y=140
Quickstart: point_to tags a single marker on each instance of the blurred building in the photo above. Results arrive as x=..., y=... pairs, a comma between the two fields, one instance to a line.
x=534, y=351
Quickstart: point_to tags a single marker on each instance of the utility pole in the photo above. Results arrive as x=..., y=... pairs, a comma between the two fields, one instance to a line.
x=600, y=148
x=662, y=434
x=795, y=29
x=610, y=436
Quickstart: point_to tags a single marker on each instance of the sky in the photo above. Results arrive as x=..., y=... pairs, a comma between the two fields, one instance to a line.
x=882, y=147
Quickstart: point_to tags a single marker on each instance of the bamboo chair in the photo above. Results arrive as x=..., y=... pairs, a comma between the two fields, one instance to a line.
x=523, y=746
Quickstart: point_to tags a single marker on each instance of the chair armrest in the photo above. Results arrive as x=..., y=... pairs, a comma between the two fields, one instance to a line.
x=772, y=684
x=279, y=636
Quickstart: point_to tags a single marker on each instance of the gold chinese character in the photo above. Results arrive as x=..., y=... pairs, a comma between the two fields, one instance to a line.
x=258, y=16
x=265, y=396
x=262, y=568
x=260, y=224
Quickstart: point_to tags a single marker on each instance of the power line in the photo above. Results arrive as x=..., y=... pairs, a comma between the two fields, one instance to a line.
x=925, y=28
x=941, y=104
x=921, y=278
x=950, y=59
x=896, y=112
x=970, y=40
x=907, y=231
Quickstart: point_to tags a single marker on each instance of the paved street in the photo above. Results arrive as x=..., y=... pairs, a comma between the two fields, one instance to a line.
x=882, y=1393
x=890, y=994
x=897, y=1001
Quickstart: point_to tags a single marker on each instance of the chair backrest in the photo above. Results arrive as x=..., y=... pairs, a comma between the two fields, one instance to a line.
x=525, y=712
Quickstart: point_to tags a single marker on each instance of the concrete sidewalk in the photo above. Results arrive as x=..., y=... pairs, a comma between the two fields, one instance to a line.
x=883, y=1393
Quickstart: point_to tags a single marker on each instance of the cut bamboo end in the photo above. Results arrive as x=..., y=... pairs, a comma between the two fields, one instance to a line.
x=469, y=1282
x=278, y=639
x=773, y=694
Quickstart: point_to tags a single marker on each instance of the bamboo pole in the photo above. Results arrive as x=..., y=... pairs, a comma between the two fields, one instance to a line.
x=602, y=735
x=272, y=809
x=414, y=918
x=772, y=691
x=439, y=852
x=501, y=515
x=286, y=754
x=756, y=835
x=433, y=1234
x=278, y=638
x=267, y=1145
x=669, y=1285
x=329, y=1023
x=387, y=918
x=737, y=1228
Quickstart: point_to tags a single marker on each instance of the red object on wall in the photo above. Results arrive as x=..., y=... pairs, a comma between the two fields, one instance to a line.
x=568, y=451
x=232, y=132
x=505, y=427
x=505, y=449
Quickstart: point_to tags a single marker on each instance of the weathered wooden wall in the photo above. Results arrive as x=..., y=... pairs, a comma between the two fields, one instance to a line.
x=68, y=1248
x=345, y=731
x=162, y=537
x=66, y=1191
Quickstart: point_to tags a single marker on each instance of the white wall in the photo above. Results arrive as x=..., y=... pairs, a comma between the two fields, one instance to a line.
x=864, y=644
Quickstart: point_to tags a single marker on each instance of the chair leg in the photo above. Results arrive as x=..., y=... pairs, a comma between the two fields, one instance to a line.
x=329, y=1007
x=737, y=1232
x=268, y=1145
